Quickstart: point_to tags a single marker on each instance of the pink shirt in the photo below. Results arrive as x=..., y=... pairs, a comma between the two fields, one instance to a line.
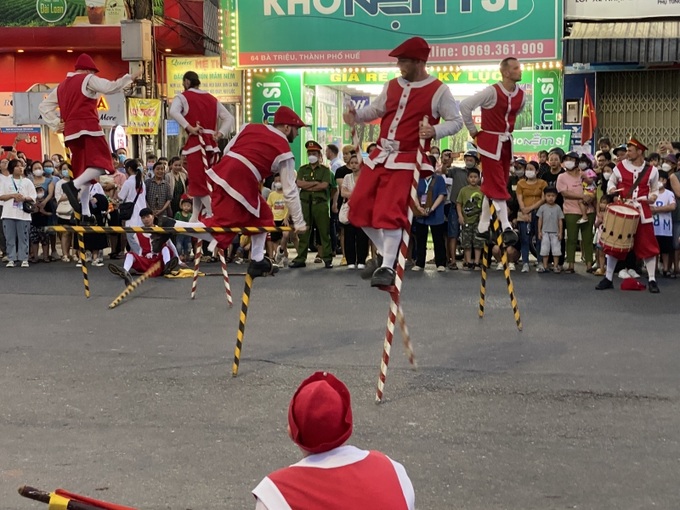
x=567, y=182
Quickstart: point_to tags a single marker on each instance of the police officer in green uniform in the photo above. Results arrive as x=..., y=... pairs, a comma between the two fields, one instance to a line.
x=314, y=181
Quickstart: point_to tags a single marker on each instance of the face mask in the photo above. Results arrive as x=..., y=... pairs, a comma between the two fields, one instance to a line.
x=519, y=173
x=40, y=194
x=38, y=173
x=435, y=155
x=606, y=175
x=666, y=167
x=469, y=164
x=313, y=159
x=121, y=158
x=49, y=170
x=583, y=165
x=569, y=165
x=64, y=173
x=278, y=186
x=531, y=174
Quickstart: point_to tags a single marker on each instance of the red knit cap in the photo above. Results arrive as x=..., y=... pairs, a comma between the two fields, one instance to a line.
x=320, y=413
x=85, y=63
x=415, y=48
x=285, y=115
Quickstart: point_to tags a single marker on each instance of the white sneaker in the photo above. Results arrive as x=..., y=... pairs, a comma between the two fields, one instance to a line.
x=279, y=256
x=79, y=263
x=623, y=274
x=10, y=264
x=5, y=258
x=24, y=263
x=511, y=266
x=581, y=221
x=525, y=268
x=361, y=266
x=351, y=266
x=499, y=266
x=98, y=263
x=441, y=269
x=633, y=273
x=88, y=257
x=416, y=268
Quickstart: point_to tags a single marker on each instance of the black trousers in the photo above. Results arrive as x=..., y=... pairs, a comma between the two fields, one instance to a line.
x=356, y=244
x=438, y=232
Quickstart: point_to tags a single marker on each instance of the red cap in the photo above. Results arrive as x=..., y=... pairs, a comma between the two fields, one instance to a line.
x=641, y=146
x=86, y=63
x=320, y=413
x=285, y=115
x=311, y=145
x=632, y=284
x=415, y=48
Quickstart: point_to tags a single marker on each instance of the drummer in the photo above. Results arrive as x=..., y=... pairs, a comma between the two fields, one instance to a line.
x=636, y=183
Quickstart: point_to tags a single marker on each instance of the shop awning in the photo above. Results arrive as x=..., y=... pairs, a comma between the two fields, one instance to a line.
x=643, y=42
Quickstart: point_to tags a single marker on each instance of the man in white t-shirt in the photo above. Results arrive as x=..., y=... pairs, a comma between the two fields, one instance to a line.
x=662, y=218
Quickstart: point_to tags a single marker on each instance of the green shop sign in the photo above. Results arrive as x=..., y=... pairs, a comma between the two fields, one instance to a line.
x=381, y=77
x=526, y=141
x=547, y=99
x=303, y=33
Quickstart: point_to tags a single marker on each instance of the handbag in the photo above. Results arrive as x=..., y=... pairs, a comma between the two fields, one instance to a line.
x=343, y=214
x=64, y=209
x=126, y=209
x=29, y=207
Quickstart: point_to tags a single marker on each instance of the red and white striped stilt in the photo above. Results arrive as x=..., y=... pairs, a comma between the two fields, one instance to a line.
x=197, y=263
x=395, y=293
x=225, y=275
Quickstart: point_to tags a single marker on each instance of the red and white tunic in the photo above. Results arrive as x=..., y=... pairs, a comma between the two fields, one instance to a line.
x=142, y=263
x=494, y=141
x=382, y=201
x=255, y=153
x=623, y=177
x=74, y=101
x=340, y=479
x=193, y=107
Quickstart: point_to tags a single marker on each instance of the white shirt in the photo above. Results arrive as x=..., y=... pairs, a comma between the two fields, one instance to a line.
x=663, y=222
x=127, y=193
x=337, y=163
x=10, y=208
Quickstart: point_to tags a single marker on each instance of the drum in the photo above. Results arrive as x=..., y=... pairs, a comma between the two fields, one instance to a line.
x=620, y=223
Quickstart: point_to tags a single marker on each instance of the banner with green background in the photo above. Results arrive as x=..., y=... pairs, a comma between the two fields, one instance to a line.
x=363, y=32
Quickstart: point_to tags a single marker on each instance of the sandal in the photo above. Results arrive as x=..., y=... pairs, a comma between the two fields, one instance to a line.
x=569, y=270
x=540, y=269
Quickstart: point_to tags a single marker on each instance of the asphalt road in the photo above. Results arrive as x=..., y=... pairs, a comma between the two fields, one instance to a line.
x=137, y=405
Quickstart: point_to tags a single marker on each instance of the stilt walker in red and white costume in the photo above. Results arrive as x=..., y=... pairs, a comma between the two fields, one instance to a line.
x=71, y=107
x=381, y=198
x=197, y=111
x=332, y=476
x=500, y=104
x=255, y=153
x=624, y=181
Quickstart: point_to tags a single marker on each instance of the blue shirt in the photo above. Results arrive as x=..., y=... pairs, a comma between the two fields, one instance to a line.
x=437, y=216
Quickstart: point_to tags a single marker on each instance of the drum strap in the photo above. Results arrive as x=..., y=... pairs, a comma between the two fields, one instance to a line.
x=638, y=181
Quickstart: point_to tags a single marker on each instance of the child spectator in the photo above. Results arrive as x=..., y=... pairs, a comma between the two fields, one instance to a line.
x=469, y=206
x=529, y=198
x=588, y=179
x=550, y=222
x=277, y=203
x=184, y=241
x=663, y=223
x=143, y=261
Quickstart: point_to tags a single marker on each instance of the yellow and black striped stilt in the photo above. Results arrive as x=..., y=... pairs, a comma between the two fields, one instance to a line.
x=243, y=317
x=486, y=261
x=95, y=229
x=81, y=246
x=130, y=288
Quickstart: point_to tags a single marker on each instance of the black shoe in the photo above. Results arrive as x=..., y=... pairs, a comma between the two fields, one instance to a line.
x=172, y=264
x=121, y=272
x=371, y=266
x=484, y=236
x=509, y=237
x=328, y=264
x=653, y=287
x=72, y=194
x=90, y=221
x=264, y=267
x=297, y=263
x=383, y=277
x=604, y=284
x=158, y=240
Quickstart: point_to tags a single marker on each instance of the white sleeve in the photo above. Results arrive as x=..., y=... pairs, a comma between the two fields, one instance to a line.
x=178, y=108
x=447, y=109
x=226, y=121
x=290, y=191
x=48, y=109
x=654, y=185
x=485, y=98
x=96, y=85
x=613, y=181
x=376, y=109
x=259, y=505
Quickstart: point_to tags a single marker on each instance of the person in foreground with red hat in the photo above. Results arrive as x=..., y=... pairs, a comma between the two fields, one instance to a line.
x=255, y=153
x=381, y=198
x=332, y=475
x=199, y=112
x=637, y=182
x=501, y=103
x=71, y=108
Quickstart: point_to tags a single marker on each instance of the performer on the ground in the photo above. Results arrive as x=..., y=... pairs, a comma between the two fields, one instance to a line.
x=198, y=111
x=143, y=261
x=636, y=182
x=331, y=476
x=71, y=107
x=501, y=103
x=255, y=153
x=381, y=198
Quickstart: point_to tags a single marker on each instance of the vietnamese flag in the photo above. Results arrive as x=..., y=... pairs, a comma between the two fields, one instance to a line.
x=589, y=118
